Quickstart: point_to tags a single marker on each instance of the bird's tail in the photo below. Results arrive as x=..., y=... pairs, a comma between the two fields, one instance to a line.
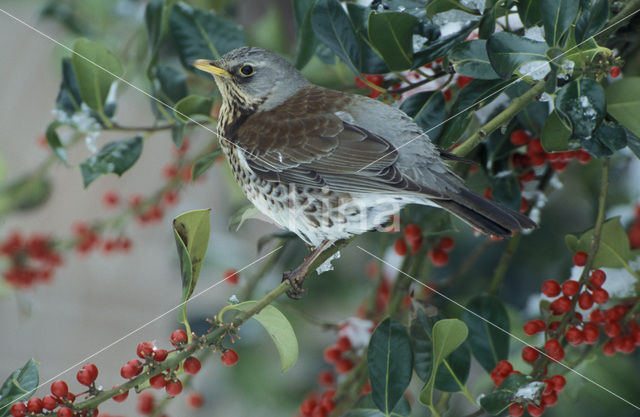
x=485, y=215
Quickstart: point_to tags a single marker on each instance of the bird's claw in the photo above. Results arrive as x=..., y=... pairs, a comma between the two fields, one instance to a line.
x=296, y=279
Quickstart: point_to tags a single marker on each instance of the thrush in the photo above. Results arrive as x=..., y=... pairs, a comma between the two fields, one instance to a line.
x=328, y=165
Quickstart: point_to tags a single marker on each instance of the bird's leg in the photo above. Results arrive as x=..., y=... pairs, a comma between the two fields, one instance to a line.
x=296, y=276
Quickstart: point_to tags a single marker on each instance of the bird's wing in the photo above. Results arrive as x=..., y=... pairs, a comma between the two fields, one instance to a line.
x=304, y=142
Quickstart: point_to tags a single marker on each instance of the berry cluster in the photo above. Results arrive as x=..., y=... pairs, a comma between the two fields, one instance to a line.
x=536, y=156
x=32, y=259
x=634, y=230
x=438, y=254
x=87, y=239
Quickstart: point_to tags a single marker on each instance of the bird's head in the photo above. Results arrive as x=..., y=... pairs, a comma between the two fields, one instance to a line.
x=253, y=78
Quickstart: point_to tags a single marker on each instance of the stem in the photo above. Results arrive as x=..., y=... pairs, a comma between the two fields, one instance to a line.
x=503, y=264
x=615, y=22
x=517, y=104
x=417, y=84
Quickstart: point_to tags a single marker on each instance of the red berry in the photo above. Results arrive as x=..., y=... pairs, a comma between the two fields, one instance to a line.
x=597, y=278
x=590, y=333
x=111, y=199
x=413, y=234
x=558, y=382
x=121, y=397
x=231, y=276
x=585, y=301
x=529, y=354
x=307, y=406
x=553, y=348
x=550, y=399
x=49, y=402
x=191, y=365
x=609, y=348
x=559, y=166
x=128, y=371
x=580, y=258
x=534, y=326
x=343, y=343
x=400, y=247
x=195, y=400
x=229, y=357
x=447, y=94
x=583, y=156
x=174, y=388
x=85, y=376
x=344, y=365
x=59, y=388
x=519, y=137
x=560, y=305
x=178, y=337
x=600, y=296
x=327, y=404
x=158, y=381
x=65, y=412
x=159, y=355
x=326, y=378
x=438, y=257
x=574, y=336
x=146, y=402
x=535, y=411
x=615, y=72
x=528, y=176
x=551, y=288
x=612, y=329
x=463, y=80
x=503, y=368
x=34, y=405
x=332, y=354
x=516, y=410
x=375, y=79
x=144, y=349
x=570, y=288
x=446, y=243
x=488, y=193
x=18, y=410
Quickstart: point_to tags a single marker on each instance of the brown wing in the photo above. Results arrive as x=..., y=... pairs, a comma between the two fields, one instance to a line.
x=303, y=142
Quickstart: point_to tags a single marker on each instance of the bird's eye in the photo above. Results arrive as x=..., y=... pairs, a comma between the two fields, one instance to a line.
x=246, y=70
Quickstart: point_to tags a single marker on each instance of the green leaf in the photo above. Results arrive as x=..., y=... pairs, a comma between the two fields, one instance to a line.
x=606, y=140
x=454, y=370
x=592, y=20
x=583, y=103
x=427, y=108
x=96, y=70
x=191, y=231
x=333, y=28
x=115, y=157
x=434, y=49
x=24, y=193
x=438, y=6
x=614, y=250
x=507, y=52
x=367, y=408
x=623, y=102
x=391, y=34
x=191, y=106
x=306, y=39
x=633, y=142
x=202, y=34
x=169, y=86
x=389, y=360
x=530, y=12
x=534, y=116
x=448, y=335
x=280, y=330
x=19, y=386
x=53, y=140
x=555, y=133
x=557, y=18
x=204, y=163
x=498, y=401
x=506, y=191
x=155, y=19
x=471, y=59
x=489, y=345
x=370, y=60
x=69, y=99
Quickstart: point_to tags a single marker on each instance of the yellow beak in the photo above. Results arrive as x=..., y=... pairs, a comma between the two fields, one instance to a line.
x=209, y=66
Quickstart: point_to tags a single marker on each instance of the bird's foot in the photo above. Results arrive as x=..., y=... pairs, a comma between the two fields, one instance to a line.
x=296, y=279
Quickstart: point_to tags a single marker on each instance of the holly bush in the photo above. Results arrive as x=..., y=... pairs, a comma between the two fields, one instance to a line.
x=542, y=96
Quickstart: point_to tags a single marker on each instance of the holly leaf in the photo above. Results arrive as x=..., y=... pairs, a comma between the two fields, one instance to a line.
x=592, y=20
x=193, y=106
x=507, y=52
x=583, y=103
x=333, y=28
x=530, y=12
x=115, y=157
x=427, y=108
x=19, y=386
x=370, y=60
x=614, y=250
x=471, y=59
x=555, y=133
x=205, y=162
x=557, y=18
x=623, y=102
x=391, y=34
x=507, y=392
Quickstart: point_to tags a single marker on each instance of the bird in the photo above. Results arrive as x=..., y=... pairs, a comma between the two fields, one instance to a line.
x=328, y=165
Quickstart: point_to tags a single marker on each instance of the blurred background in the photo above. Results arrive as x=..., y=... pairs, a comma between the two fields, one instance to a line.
x=97, y=299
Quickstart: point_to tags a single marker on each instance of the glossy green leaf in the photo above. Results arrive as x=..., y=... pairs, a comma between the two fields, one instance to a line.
x=391, y=34
x=193, y=106
x=454, y=369
x=169, y=86
x=447, y=336
x=155, y=19
x=205, y=162
x=555, y=133
x=370, y=61
x=390, y=361
x=69, y=99
x=507, y=52
x=623, y=102
x=557, y=17
x=96, y=70
x=606, y=140
x=487, y=24
x=592, y=20
x=427, y=108
x=497, y=401
x=614, y=250
x=489, y=344
x=191, y=231
x=54, y=142
x=333, y=28
x=583, y=103
x=366, y=408
x=114, y=157
x=438, y=6
x=203, y=34
x=280, y=330
x=19, y=386
x=306, y=39
x=534, y=116
x=471, y=59
x=530, y=12
x=438, y=48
